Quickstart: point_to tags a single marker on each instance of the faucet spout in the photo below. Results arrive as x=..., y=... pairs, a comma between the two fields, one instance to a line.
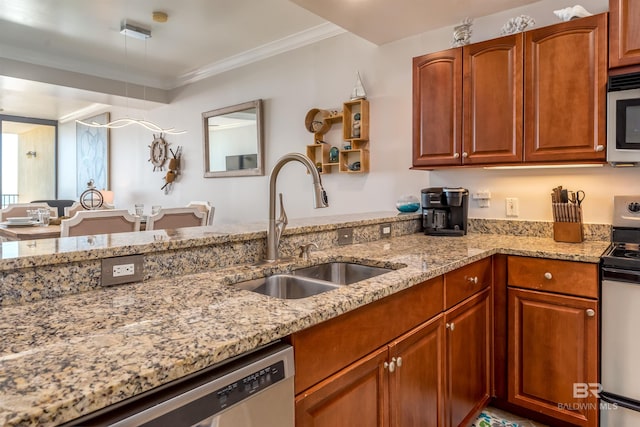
x=320, y=200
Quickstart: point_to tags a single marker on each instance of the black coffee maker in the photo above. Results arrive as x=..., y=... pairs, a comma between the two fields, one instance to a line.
x=445, y=211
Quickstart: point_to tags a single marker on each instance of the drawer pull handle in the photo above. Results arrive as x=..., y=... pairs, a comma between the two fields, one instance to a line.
x=548, y=276
x=591, y=312
x=451, y=326
x=473, y=280
x=391, y=365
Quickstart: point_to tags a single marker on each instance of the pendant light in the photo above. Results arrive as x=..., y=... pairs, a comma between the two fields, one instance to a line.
x=129, y=30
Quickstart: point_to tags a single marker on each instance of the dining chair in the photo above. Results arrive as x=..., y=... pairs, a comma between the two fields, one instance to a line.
x=177, y=218
x=59, y=204
x=101, y=221
x=205, y=207
x=70, y=211
x=20, y=209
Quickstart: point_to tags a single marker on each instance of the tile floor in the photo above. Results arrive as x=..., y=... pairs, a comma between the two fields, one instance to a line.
x=501, y=418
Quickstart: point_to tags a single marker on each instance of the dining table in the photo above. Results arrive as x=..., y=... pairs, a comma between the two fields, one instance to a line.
x=12, y=233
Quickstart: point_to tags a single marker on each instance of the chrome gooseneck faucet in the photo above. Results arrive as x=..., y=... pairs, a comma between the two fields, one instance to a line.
x=276, y=227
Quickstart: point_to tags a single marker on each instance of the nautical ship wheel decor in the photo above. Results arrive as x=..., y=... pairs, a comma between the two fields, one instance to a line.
x=91, y=198
x=158, y=152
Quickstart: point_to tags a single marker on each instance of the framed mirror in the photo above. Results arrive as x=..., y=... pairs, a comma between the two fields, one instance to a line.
x=233, y=141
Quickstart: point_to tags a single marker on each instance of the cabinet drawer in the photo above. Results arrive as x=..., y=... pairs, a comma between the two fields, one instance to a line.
x=564, y=277
x=324, y=349
x=466, y=281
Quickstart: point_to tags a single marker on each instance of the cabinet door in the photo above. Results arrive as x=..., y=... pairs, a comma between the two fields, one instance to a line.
x=553, y=345
x=468, y=352
x=492, y=94
x=437, y=108
x=417, y=382
x=355, y=396
x=624, y=35
x=565, y=89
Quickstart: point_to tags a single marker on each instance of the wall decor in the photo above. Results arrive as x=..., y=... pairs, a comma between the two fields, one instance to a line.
x=517, y=25
x=233, y=141
x=92, y=154
x=158, y=152
x=462, y=33
x=572, y=12
x=174, y=170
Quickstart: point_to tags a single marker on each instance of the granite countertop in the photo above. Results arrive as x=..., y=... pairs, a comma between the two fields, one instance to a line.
x=32, y=253
x=62, y=358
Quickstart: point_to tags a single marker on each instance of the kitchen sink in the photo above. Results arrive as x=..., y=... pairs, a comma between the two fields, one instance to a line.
x=341, y=273
x=287, y=286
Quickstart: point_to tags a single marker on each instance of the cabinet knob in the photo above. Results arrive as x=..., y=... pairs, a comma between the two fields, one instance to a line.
x=391, y=366
x=590, y=312
x=548, y=276
x=600, y=148
x=451, y=326
x=456, y=155
x=399, y=362
x=465, y=154
x=473, y=280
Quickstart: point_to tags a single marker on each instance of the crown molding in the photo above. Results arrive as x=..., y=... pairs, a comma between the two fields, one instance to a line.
x=294, y=41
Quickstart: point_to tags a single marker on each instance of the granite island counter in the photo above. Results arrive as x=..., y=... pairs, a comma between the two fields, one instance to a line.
x=64, y=357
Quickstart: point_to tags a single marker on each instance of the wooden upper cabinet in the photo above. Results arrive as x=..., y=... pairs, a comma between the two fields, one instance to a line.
x=437, y=108
x=624, y=34
x=564, y=91
x=492, y=106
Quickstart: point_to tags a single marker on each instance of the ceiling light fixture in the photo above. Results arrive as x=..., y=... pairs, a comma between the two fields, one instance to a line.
x=140, y=33
x=134, y=31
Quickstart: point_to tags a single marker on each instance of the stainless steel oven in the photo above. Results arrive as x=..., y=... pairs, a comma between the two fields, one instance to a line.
x=623, y=120
x=250, y=391
x=620, y=317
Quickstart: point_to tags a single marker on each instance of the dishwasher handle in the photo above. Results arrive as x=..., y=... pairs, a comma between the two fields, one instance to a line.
x=620, y=275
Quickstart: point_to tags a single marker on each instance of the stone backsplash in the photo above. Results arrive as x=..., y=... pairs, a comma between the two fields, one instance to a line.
x=66, y=272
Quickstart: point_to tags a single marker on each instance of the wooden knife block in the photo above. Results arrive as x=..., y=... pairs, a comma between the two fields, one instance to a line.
x=570, y=232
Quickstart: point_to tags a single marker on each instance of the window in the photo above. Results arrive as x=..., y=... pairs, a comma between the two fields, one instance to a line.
x=28, y=150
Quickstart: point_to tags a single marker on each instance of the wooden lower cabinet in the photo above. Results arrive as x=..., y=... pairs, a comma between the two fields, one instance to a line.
x=417, y=381
x=468, y=359
x=355, y=396
x=399, y=385
x=433, y=376
x=552, y=345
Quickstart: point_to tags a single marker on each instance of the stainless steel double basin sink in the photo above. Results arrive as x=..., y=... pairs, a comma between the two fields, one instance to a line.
x=313, y=280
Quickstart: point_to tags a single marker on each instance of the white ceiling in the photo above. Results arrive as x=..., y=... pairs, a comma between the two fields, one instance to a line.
x=68, y=48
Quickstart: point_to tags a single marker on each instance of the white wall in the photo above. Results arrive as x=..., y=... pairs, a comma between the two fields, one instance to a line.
x=322, y=76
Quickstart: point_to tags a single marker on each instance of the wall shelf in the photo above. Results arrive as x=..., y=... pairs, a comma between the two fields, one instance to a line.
x=354, y=119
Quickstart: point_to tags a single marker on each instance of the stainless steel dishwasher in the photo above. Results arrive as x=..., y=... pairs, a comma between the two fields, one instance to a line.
x=250, y=391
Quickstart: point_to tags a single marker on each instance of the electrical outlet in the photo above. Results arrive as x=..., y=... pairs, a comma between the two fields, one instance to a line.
x=345, y=236
x=385, y=230
x=512, y=208
x=123, y=269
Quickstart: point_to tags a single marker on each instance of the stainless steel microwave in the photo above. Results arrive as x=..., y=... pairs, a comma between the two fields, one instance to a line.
x=623, y=120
